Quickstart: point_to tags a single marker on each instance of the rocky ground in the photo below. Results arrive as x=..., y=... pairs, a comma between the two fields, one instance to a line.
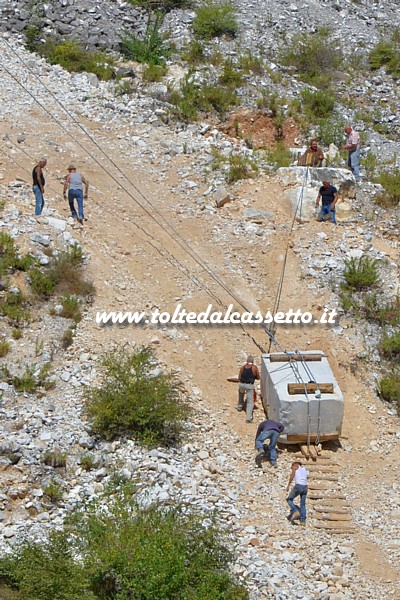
x=135, y=264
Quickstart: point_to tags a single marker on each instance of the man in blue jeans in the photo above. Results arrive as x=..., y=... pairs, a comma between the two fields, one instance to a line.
x=300, y=488
x=38, y=186
x=74, y=183
x=329, y=196
x=267, y=430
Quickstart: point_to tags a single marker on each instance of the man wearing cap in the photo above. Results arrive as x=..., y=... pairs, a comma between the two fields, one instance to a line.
x=247, y=376
x=38, y=185
x=74, y=183
x=267, y=430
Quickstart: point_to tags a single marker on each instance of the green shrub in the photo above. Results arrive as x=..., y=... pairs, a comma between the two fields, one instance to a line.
x=88, y=462
x=29, y=382
x=240, y=167
x=71, y=308
x=360, y=273
x=4, y=348
x=316, y=57
x=386, y=54
x=194, y=52
x=376, y=308
x=389, y=389
x=390, y=346
x=67, y=338
x=132, y=401
x=279, y=156
x=250, y=63
x=153, y=49
x=16, y=333
x=232, y=76
x=390, y=180
x=55, y=459
x=154, y=73
x=126, y=552
x=215, y=20
x=64, y=275
x=13, y=307
x=190, y=99
x=9, y=258
x=70, y=55
x=318, y=104
x=330, y=130
x=53, y=491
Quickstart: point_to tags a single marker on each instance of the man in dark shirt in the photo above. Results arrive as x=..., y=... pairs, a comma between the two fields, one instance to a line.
x=247, y=376
x=268, y=430
x=38, y=185
x=329, y=195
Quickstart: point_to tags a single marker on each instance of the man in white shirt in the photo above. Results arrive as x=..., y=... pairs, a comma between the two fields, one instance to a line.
x=353, y=146
x=299, y=474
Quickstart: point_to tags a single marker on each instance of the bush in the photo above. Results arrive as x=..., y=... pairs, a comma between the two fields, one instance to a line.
x=10, y=260
x=13, y=307
x=389, y=389
x=4, y=348
x=316, y=57
x=154, y=73
x=390, y=346
x=387, y=54
x=250, y=63
x=215, y=20
x=390, y=180
x=379, y=310
x=360, y=273
x=136, y=400
x=67, y=338
x=330, y=130
x=194, y=52
x=70, y=55
x=88, y=462
x=190, y=99
x=71, y=308
x=240, y=167
x=63, y=275
x=55, y=459
x=279, y=156
x=231, y=77
x=29, y=382
x=152, y=49
x=319, y=104
x=123, y=551
x=53, y=491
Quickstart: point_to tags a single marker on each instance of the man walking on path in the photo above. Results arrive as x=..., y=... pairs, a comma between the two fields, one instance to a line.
x=268, y=430
x=299, y=474
x=353, y=146
x=247, y=376
x=38, y=185
x=74, y=183
x=329, y=195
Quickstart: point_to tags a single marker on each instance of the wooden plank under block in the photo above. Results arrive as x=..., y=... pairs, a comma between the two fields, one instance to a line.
x=311, y=388
x=282, y=357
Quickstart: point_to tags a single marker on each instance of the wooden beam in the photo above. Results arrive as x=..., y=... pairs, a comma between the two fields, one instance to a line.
x=282, y=357
x=326, y=497
x=332, y=525
x=302, y=437
x=311, y=388
x=333, y=517
x=304, y=451
x=312, y=452
x=315, y=476
x=330, y=509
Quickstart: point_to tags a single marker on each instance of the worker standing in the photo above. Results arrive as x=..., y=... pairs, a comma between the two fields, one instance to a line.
x=247, y=376
x=300, y=488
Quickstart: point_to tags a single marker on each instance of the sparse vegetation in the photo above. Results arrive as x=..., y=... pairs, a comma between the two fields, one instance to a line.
x=390, y=180
x=10, y=260
x=386, y=54
x=152, y=49
x=53, y=491
x=215, y=20
x=316, y=57
x=389, y=389
x=87, y=462
x=63, y=275
x=67, y=338
x=330, y=130
x=279, y=156
x=135, y=400
x=240, y=167
x=360, y=274
x=153, y=73
x=162, y=5
x=124, y=551
x=13, y=307
x=70, y=55
x=4, y=348
x=55, y=459
x=318, y=104
x=194, y=52
x=250, y=63
x=389, y=347
x=31, y=380
x=71, y=308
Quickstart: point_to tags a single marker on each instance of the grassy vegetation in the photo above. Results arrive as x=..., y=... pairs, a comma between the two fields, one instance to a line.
x=71, y=308
x=54, y=492
x=55, y=459
x=4, y=348
x=134, y=401
x=279, y=156
x=378, y=309
x=390, y=180
x=153, y=48
x=319, y=104
x=64, y=275
x=125, y=552
x=240, y=167
x=87, y=462
x=389, y=389
x=191, y=98
x=389, y=346
x=153, y=73
x=162, y=5
x=67, y=338
x=194, y=52
x=214, y=20
x=386, y=54
x=330, y=130
x=10, y=260
x=13, y=307
x=315, y=57
x=31, y=379
x=70, y=55
x=360, y=274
